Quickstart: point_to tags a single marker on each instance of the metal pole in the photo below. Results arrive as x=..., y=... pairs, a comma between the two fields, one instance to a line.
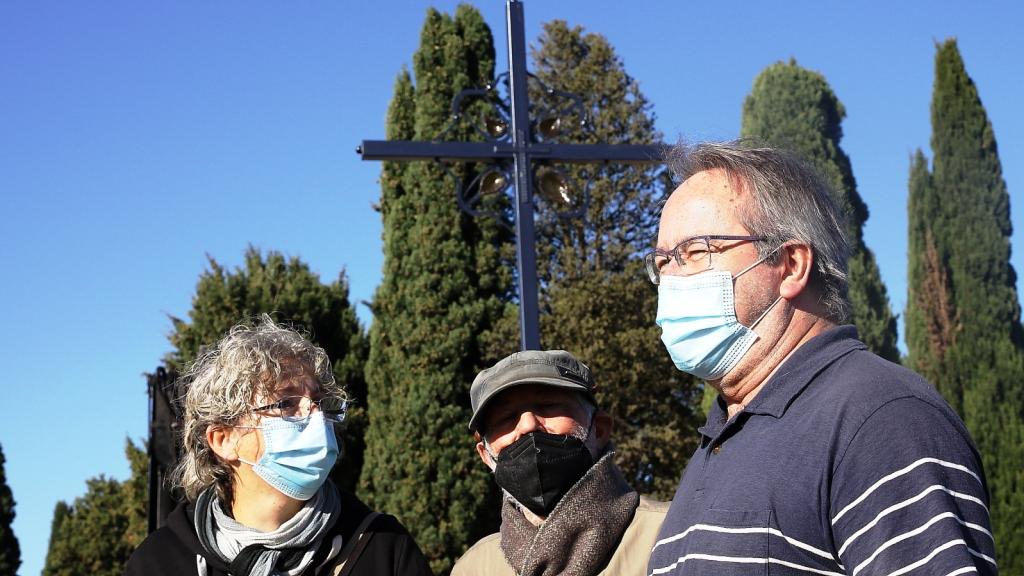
x=153, y=484
x=526, y=254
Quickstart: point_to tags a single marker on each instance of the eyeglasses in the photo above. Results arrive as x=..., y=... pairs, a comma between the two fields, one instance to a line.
x=299, y=408
x=692, y=255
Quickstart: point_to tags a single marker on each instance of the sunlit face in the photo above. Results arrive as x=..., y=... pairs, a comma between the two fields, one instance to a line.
x=707, y=203
x=296, y=383
x=533, y=408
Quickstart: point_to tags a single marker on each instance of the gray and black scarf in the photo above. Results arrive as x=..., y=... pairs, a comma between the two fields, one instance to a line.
x=287, y=550
x=581, y=533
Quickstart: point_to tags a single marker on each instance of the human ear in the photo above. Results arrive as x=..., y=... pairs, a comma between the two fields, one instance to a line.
x=603, y=425
x=797, y=263
x=485, y=457
x=223, y=442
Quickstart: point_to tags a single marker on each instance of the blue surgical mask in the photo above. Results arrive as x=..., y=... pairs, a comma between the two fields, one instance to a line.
x=697, y=316
x=297, y=455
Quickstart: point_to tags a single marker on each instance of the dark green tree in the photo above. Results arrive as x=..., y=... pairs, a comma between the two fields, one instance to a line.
x=135, y=492
x=963, y=313
x=288, y=290
x=61, y=512
x=91, y=538
x=795, y=107
x=441, y=290
x=596, y=299
x=10, y=552
x=100, y=530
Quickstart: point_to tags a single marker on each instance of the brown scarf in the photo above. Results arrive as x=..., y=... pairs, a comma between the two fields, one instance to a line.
x=581, y=533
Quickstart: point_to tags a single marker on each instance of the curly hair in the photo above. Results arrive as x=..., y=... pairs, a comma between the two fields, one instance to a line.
x=250, y=362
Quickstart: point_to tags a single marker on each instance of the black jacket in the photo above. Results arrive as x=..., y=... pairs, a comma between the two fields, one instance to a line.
x=391, y=551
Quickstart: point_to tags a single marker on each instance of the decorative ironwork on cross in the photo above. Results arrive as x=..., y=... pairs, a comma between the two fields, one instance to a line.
x=514, y=139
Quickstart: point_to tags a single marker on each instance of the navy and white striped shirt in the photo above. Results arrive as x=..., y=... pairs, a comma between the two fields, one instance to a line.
x=843, y=463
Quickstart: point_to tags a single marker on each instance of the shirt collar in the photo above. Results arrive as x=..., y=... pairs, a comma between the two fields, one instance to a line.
x=792, y=377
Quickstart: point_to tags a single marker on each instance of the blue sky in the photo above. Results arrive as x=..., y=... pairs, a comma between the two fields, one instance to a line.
x=138, y=138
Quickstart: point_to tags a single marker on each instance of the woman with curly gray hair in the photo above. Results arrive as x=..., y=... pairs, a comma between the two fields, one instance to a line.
x=259, y=443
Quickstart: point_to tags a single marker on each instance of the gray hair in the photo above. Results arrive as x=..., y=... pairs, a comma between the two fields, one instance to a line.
x=250, y=362
x=792, y=201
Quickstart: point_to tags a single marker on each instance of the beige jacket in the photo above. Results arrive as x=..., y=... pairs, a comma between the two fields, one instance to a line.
x=485, y=558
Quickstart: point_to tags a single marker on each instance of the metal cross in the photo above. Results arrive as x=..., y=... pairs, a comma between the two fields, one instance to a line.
x=522, y=147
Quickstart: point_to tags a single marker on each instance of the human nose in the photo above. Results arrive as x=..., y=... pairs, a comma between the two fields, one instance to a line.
x=528, y=422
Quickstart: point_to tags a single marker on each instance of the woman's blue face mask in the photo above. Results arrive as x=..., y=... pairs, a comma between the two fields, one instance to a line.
x=297, y=455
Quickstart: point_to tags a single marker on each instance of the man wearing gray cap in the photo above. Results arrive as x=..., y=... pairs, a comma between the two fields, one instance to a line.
x=567, y=508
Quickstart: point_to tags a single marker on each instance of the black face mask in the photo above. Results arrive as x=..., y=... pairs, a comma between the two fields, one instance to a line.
x=539, y=468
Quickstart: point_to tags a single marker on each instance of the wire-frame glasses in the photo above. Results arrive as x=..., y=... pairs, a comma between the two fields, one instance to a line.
x=693, y=255
x=299, y=408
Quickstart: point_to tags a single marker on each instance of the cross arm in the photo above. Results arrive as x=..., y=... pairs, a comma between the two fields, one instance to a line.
x=404, y=150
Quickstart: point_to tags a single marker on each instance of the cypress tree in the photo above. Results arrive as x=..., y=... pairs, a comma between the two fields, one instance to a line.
x=90, y=539
x=61, y=512
x=439, y=293
x=794, y=107
x=291, y=292
x=100, y=530
x=963, y=318
x=10, y=552
x=135, y=492
x=595, y=296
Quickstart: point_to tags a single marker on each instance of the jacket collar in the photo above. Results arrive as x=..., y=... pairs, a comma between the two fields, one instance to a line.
x=791, y=378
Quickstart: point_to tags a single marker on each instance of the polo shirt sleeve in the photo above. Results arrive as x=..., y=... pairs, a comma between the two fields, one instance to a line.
x=908, y=496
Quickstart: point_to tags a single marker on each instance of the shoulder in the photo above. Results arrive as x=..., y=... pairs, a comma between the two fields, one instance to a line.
x=646, y=521
x=390, y=550
x=870, y=385
x=483, y=546
x=886, y=411
x=484, y=557
x=857, y=385
x=638, y=540
x=162, y=552
x=863, y=376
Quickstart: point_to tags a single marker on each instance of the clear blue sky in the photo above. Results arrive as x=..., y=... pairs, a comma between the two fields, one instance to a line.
x=137, y=138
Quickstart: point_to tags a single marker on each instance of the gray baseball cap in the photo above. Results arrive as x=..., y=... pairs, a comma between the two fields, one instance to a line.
x=555, y=368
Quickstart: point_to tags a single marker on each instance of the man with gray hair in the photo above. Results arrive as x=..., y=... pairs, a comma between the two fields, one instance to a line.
x=818, y=457
x=567, y=509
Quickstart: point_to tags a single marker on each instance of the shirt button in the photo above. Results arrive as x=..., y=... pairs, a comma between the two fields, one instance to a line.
x=716, y=449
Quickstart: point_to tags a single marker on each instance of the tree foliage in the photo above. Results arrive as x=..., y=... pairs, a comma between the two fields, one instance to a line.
x=963, y=316
x=796, y=108
x=99, y=531
x=288, y=290
x=595, y=296
x=441, y=290
x=10, y=552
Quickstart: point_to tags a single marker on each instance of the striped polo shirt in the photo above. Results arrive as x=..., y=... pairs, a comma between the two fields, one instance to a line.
x=843, y=463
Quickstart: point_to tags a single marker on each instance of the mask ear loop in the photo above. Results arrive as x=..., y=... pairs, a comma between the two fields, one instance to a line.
x=235, y=446
x=765, y=313
x=745, y=270
x=758, y=261
x=491, y=455
x=593, y=416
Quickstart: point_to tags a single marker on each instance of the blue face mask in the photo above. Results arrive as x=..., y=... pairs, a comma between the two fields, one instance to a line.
x=697, y=316
x=297, y=455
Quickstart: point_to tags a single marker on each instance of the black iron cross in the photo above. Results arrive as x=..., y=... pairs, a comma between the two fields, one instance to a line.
x=522, y=147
